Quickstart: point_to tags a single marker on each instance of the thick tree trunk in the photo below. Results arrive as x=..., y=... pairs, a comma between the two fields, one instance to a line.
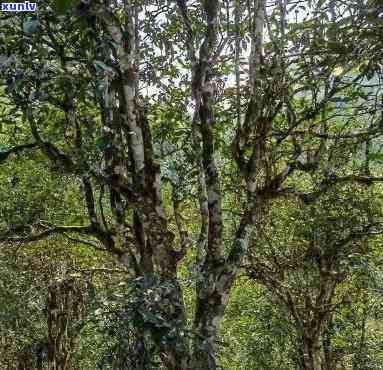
x=177, y=357
x=65, y=309
x=209, y=313
x=313, y=353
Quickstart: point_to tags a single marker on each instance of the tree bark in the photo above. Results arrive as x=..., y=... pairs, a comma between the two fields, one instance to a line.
x=313, y=353
x=65, y=309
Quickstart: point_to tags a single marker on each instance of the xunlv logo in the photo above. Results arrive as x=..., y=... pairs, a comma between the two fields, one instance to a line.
x=18, y=7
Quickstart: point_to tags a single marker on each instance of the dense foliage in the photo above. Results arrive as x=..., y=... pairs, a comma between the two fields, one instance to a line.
x=191, y=185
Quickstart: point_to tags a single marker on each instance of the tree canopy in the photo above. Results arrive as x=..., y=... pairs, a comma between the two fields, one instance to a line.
x=191, y=185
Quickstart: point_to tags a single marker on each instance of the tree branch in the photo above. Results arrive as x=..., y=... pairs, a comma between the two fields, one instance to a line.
x=86, y=230
x=4, y=154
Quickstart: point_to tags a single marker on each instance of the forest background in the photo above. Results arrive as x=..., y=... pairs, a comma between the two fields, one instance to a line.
x=191, y=185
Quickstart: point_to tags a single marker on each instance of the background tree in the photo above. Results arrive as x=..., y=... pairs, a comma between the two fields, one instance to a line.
x=310, y=259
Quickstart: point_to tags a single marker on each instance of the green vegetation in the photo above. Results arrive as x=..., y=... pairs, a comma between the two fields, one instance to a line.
x=191, y=185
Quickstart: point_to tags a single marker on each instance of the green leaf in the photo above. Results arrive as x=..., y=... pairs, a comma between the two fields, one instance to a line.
x=101, y=66
x=101, y=143
x=62, y=6
x=340, y=99
x=30, y=26
x=376, y=157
